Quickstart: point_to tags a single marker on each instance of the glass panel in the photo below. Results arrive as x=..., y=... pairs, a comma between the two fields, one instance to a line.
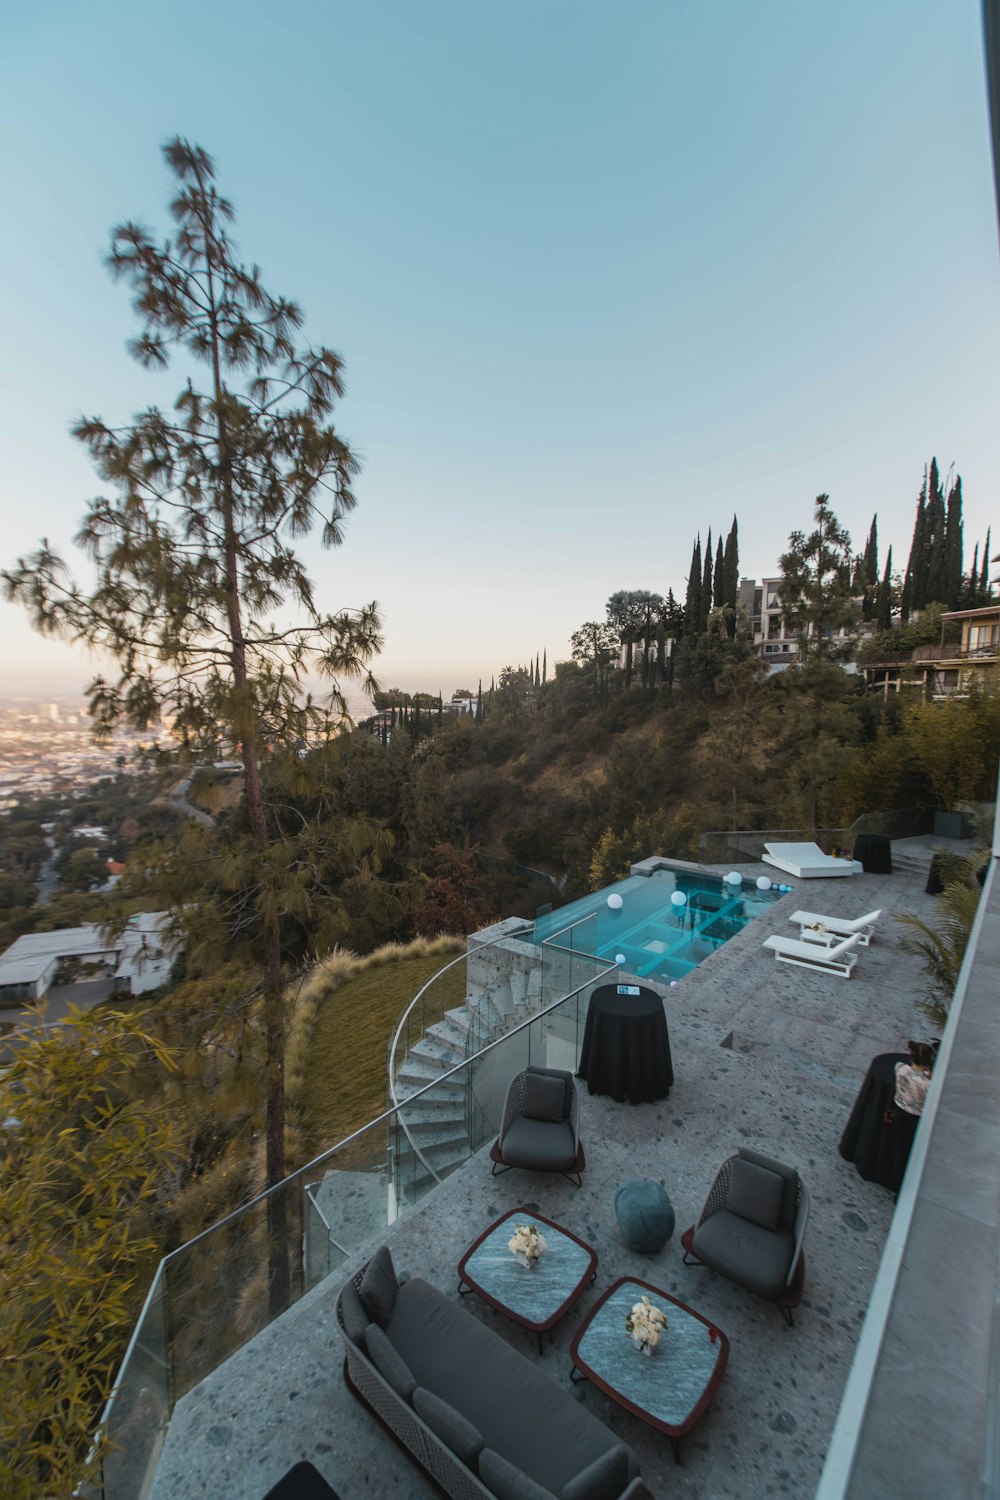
x=136, y=1417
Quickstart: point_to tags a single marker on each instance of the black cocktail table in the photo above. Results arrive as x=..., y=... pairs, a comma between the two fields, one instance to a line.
x=626, y=1046
x=880, y=1153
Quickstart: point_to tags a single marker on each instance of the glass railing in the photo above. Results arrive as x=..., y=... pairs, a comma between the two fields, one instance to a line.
x=216, y=1293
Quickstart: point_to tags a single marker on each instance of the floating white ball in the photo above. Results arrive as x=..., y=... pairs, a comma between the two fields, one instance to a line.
x=619, y=958
x=615, y=901
x=763, y=883
x=673, y=984
x=734, y=878
x=678, y=899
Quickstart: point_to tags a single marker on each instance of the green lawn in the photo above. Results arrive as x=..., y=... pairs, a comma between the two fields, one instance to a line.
x=344, y=1082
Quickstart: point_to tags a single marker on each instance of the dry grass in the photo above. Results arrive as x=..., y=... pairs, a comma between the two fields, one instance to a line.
x=345, y=1014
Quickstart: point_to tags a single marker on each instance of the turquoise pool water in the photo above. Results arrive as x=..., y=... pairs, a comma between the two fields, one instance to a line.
x=656, y=937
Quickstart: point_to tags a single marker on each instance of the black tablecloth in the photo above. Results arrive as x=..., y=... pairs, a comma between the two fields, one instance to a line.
x=626, y=1048
x=879, y=1153
x=874, y=852
x=304, y=1482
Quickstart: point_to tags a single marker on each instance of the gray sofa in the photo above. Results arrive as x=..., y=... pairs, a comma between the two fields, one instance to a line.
x=478, y=1417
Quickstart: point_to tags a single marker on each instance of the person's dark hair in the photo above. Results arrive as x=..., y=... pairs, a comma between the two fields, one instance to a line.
x=922, y=1054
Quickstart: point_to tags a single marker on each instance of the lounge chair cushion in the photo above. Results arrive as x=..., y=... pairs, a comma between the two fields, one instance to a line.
x=544, y=1097
x=789, y=1176
x=507, y=1481
x=755, y=1193
x=604, y=1479
x=389, y=1362
x=379, y=1287
x=755, y=1258
x=539, y=1145
x=355, y=1318
x=464, y=1440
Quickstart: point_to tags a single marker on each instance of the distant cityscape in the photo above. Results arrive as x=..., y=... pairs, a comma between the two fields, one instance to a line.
x=47, y=749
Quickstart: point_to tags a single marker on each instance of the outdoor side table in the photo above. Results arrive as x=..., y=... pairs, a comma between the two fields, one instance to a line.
x=626, y=1046
x=535, y=1297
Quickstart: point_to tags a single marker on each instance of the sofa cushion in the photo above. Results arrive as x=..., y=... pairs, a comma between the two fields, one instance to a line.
x=538, y=1145
x=755, y=1193
x=507, y=1481
x=544, y=1097
x=519, y=1409
x=389, y=1362
x=354, y=1317
x=753, y=1257
x=379, y=1287
x=604, y=1479
x=464, y=1440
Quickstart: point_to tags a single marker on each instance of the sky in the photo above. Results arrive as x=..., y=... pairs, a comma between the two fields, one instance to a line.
x=602, y=276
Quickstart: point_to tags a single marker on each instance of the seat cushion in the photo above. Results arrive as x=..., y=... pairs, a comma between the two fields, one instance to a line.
x=379, y=1287
x=507, y=1481
x=519, y=1409
x=755, y=1193
x=753, y=1257
x=464, y=1440
x=544, y=1097
x=604, y=1479
x=539, y=1145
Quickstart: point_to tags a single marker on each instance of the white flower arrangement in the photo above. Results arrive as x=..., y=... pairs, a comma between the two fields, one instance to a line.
x=527, y=1243
x=645, y=1324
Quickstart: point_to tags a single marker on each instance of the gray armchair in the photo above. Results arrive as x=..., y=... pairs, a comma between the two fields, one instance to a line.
x=752, y=1227
x=540, y=1130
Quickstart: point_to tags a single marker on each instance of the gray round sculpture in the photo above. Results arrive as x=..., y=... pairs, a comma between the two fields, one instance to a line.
x=645, y=1215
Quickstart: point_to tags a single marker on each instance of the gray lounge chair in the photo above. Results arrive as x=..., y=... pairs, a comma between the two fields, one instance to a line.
x=540, y=1130
x=752, y=1227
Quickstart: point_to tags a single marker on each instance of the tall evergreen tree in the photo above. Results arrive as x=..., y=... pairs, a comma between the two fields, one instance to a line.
x=692, y=602
x=731, y=577
x=913, y=579
x=192, y=560
x=883, y=617
x=933, y=581
x=985, y=589
x=545, y=666
x=706, y=587
x=719, y=577
x=953, y=561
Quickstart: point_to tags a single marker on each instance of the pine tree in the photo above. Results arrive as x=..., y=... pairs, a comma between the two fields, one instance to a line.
x=192, y=562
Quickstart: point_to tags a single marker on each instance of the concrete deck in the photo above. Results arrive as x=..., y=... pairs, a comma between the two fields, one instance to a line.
x=765, y=1055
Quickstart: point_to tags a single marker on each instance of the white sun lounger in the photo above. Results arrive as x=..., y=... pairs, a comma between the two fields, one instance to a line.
x=808, y=861
x=837, y=959
x=819, y=929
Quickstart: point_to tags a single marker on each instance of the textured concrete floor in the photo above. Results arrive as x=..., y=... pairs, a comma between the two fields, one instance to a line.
x=801, y=1043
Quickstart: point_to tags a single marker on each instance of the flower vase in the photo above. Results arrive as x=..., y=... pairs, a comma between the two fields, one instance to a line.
x=531, y=1261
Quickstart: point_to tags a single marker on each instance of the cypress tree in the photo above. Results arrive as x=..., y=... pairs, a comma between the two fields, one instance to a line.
x=545, y=666
x=884, y=612
x=934, y=546
x=692, y=603
x=953, y=545
x=719, y=578
x=731, y=576
x=479, y=703
x=706, y=586
x=911, y=578
x=985, y=592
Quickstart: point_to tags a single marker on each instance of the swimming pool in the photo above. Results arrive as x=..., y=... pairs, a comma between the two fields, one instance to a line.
x=655, y=935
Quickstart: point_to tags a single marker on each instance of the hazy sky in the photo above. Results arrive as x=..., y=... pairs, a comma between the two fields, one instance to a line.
x=601, y=275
